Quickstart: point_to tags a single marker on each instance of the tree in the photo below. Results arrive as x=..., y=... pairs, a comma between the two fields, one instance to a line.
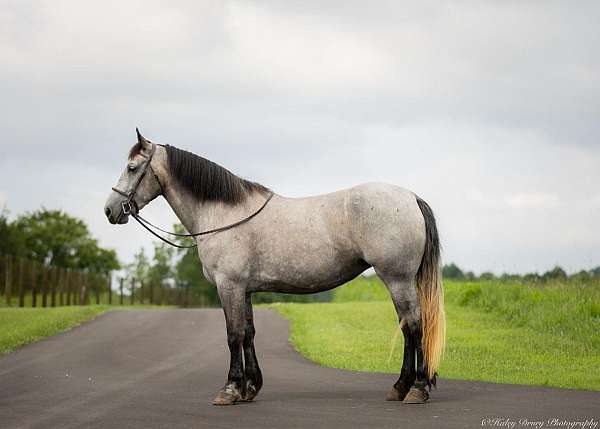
x=189, y=273
x=93, y=258
x=532, y=278
x=140, y=267
x=161, y=268
x=12, y=240
x=55, y=238
x=508, y=277
x=487, y=275
x=452, y=272
x=581, y=277
x=556, y=273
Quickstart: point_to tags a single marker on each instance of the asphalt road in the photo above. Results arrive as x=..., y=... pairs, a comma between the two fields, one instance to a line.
x=162, y=368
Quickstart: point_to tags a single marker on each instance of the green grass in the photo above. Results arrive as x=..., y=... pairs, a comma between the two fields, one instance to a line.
x=19, y=326
x=495, y=332
x=362, y=289
x=571, y=311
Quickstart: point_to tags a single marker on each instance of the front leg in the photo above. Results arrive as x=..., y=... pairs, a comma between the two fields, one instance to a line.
x=234, y=305
x=254, y=379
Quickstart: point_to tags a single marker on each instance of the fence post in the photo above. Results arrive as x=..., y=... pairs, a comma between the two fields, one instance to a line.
x=109, y=288
x=121, y=289
x=72, y=287
x=21, y=285
x=132, y=290
x=97, y=289
x=61, y=286
x=83, y=289
x=45, y=277
x=53, y=282
x=68, y=285
x=8, y=280
x=33, y=284
x=77, y=295
x=87, y=289
x=78, y=289
x=141, y=292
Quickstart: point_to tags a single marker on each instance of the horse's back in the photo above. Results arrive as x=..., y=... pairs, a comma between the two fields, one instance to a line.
x=378, y=222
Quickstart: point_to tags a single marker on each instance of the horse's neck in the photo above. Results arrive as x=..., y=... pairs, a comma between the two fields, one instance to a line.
x=199, y=216
x=184, y=206
x=191, y=213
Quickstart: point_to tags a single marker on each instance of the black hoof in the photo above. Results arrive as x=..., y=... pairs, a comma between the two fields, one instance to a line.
x=250, y=392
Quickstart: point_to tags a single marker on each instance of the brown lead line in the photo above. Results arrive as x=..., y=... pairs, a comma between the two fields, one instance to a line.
x=147, y=224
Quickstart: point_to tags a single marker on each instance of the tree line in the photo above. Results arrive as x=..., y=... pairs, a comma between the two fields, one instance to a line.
x=49, y=258
x=55, y=239
x=452, y=271
x=35, y=244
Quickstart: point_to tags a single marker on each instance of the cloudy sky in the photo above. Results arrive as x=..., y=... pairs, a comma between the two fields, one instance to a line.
x=488, y=110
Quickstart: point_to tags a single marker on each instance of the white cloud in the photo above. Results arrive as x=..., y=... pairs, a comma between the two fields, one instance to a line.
x=532, y=200
x=304, y=53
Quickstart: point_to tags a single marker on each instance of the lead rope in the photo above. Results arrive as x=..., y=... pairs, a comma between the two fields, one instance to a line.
x=147, y=224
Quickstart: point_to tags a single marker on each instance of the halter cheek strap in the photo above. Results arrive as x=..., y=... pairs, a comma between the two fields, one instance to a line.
x=126, y=207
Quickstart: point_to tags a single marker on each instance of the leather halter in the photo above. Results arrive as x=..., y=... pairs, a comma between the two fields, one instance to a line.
x=127, y=208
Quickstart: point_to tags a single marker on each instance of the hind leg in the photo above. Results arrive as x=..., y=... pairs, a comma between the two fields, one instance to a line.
x=418, y=391
x=407, y=374
x=406, y=302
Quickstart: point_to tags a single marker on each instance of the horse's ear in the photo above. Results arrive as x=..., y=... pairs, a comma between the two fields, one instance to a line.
x=141, y=140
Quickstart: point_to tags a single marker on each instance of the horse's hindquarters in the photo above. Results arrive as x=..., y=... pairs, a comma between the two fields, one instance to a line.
x=388, y=228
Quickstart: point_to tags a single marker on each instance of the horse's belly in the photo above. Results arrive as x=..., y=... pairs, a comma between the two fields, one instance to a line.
x=290, y=278
x=307, y=270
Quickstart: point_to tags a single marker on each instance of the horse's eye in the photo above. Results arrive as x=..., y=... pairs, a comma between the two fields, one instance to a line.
x=132, y=167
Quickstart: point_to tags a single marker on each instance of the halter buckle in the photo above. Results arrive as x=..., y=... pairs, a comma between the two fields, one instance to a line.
x=126, y=207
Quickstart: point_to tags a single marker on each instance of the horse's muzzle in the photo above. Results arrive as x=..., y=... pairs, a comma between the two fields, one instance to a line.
x=121, y=219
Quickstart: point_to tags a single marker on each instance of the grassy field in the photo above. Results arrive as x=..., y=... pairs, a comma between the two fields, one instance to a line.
x=509, y=333
x=19, y=326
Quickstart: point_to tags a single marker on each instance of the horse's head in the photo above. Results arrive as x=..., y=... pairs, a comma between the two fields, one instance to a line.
x=137, y=186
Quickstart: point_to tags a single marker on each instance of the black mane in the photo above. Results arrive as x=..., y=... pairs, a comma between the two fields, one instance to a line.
x=207, y=180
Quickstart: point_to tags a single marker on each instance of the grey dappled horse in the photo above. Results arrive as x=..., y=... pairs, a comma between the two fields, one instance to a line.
x=296, y=245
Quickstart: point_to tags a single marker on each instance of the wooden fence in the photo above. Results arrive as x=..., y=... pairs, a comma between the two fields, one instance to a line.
x=27, y=283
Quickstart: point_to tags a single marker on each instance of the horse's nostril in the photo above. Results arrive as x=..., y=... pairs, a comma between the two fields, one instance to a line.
x=107, y=211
